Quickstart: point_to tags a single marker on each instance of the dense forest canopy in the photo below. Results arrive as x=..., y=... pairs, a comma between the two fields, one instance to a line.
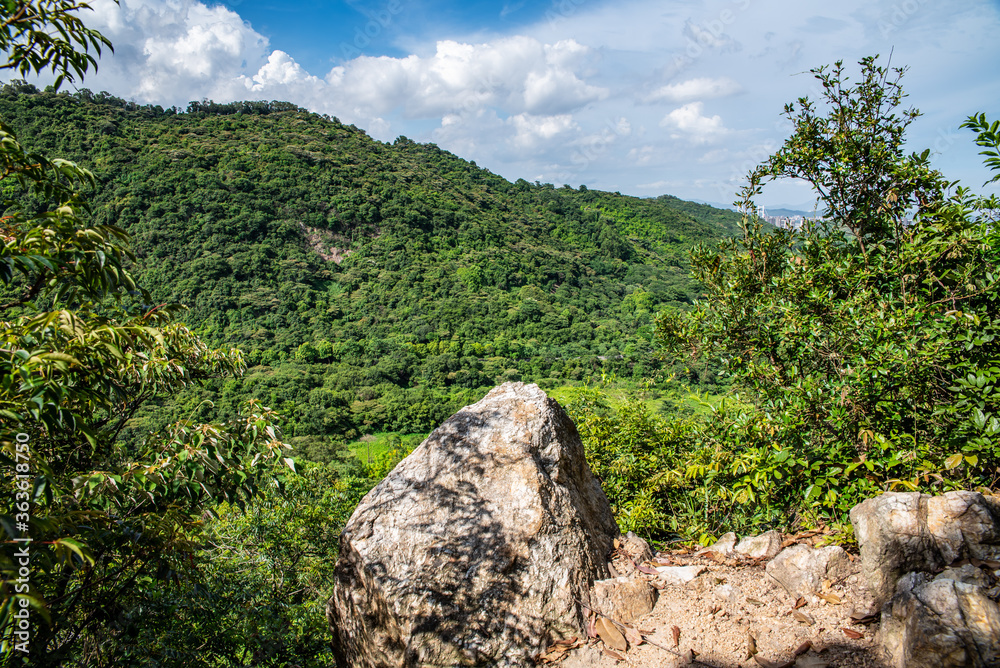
x=370, y=286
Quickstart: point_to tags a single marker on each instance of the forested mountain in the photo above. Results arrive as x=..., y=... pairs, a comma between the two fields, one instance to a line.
x=370, y=285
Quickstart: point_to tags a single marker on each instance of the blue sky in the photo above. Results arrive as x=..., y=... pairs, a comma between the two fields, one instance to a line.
x=680, y=97
x=308, y=29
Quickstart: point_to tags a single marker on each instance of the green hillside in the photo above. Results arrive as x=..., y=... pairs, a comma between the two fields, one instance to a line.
x=371, y=286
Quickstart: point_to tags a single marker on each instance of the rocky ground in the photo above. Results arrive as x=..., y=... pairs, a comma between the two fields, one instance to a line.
x=732, y=614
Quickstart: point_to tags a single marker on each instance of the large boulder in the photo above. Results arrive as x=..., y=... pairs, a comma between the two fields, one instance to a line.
x=947, y=622
x=909, y=531
x=801, y=569
x=479, y=547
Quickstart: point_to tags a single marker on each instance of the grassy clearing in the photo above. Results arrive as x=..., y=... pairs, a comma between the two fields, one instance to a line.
x=661, y=401
x=369, y=447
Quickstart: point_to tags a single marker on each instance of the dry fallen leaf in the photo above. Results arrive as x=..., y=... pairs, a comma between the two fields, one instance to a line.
x=831, y=598
x=591, y=628
x=611, y=569
x=715, y=556
x=611, y=636
x=751, y=645
x=614, y=655
x=763, y=662
x=647, y=570
x=755, y=601
x=803, y=617
x=634, y=637
x=852, y=634
x=803, y=648
x=862, y=617
x=677, y=635
x=565, y=641
x=800, y=602
x=618, y=543
x=552, y=656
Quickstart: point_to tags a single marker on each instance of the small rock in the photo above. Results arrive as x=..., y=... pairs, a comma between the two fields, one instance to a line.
x=725, y=545
x=587, y=656
x=624, y=599
x=940, y=623
x=728, y=593
x=637, y=548
x=864, y=609
x=801, y=569
x=765, y=546
x=679, y=575
x=968, y=574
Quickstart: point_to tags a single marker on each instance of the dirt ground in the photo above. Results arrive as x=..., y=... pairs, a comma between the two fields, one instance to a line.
x=734, y=615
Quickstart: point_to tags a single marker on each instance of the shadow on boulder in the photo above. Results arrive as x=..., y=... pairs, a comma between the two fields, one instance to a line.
x=479, y=547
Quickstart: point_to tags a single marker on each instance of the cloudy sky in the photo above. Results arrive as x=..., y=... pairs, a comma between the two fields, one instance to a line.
x=644, y=97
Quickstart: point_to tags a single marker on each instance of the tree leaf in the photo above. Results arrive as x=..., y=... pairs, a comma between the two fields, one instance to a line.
x=610, y=634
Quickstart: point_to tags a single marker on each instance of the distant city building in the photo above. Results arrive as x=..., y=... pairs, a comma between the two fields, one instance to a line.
x=786, y=222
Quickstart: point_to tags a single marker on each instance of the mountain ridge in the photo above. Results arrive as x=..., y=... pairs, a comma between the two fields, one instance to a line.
x=371, y=285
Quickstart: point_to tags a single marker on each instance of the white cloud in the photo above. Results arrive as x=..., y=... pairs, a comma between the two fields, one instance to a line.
x=641, y=155
x=516, y=74
x=180, y=50
x=659, y=186
x=280, y=70
x=551, y=99
x=173, y=51
x=701, y=88
x=531, y=132
x=689, y=123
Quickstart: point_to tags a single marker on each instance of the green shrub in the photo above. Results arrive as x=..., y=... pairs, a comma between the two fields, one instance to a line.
x=864, y=344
